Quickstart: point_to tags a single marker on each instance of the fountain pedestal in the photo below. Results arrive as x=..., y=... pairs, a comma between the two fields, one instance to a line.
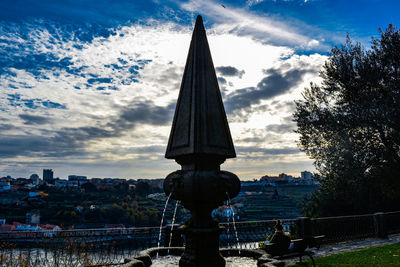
x=202, y=247
x=200, y=141
x=201, y=191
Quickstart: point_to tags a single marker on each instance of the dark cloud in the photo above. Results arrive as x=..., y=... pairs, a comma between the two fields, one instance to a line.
x=221, y=80
x=31, y=145
x=288, y=119
x=289, y=106
x=230, y=71
x=34, y=119
x=73, y=141
x=143, y=112
x=266, y=151
x=281, y=128
x=153, y=149
x=6, y=126
x=253, y=139
x=274, y=84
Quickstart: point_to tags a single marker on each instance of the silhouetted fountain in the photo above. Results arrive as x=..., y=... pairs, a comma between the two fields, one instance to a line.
x=200, y=141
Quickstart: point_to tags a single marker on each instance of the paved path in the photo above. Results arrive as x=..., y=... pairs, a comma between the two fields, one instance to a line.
x=350, y=245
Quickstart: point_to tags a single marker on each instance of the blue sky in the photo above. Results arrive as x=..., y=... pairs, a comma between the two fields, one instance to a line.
x=89, y=87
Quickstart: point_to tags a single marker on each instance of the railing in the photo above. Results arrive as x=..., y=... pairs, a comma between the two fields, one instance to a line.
x=89, y=247
x=102, y=247
x=343, y=228
x=249, y=234
x=392, y=222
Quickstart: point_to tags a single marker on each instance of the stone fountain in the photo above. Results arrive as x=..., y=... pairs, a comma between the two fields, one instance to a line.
x=200, y=141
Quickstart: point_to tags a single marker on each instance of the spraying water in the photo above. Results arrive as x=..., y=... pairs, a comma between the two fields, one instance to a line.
x=173, y=222
x=233, y=221
x=162, y=220
x=227, y=220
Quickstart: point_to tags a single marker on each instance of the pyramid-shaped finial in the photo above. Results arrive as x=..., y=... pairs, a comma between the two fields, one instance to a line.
x=200, y=127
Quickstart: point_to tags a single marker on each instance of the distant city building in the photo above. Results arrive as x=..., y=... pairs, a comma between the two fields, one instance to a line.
x=96, y=181
x=273, y=180
x=6, y=179
x=6, y=228
x=47, y=230
x=254, y=186
x=26, y=227
x=22, y=181
x=76, y=178
x=284, y=178
x=50, y=229
x=35, y=179
x=33, y=194
x=307, y=178
x=119, y=181
x=60, y=183
x=33, y=217
x=48, y=175
x=5, y=186
x=64, y=183
x=306, y=175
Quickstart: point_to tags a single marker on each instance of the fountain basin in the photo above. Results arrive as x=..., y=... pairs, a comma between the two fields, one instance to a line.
x=201, y=187
x=172, y=261
x=169, y=256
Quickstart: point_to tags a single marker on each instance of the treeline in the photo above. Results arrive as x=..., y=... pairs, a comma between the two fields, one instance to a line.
x=91, y=206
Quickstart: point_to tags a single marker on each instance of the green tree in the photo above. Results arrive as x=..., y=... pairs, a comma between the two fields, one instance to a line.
x=142, y=189
x=350, y=126
x=89, y=187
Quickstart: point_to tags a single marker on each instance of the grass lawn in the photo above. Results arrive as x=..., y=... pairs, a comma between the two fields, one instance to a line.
x=379, y=256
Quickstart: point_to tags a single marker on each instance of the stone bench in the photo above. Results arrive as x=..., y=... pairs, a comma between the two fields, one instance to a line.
x=299, y=249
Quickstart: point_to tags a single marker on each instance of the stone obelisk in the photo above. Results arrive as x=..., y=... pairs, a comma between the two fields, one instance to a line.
x=200, y=141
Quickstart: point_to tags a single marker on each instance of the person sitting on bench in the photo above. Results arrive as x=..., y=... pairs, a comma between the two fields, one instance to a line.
x=280, y=239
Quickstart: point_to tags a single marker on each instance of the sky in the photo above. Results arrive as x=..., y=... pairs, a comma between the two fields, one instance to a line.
x=89, y=87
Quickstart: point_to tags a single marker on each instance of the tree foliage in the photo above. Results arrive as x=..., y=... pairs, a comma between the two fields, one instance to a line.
x=350, y=126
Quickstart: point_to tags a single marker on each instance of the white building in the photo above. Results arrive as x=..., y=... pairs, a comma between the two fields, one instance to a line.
x=32, y=217
x=306, y=175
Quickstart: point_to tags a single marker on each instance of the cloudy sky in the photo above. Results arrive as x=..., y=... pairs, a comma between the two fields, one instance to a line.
x=89, y=87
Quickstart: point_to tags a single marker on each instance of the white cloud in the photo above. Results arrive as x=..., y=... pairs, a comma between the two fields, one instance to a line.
x=253, y=2
x=263, y=28
x=159, y=51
